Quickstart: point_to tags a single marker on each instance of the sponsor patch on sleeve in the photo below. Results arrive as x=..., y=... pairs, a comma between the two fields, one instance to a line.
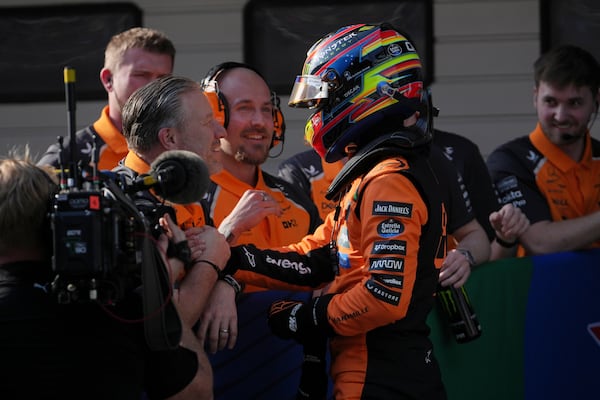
x=506, y=184
x=391, y=264
x=382, y=293
x=288, y=264
x=395, y=281
x=389, y=247
x=392, y=208
x=390, y=228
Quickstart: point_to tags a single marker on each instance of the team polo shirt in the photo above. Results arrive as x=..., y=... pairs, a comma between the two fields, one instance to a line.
x=188, y=215
x=299, y=218
x=109, y=142
x=536, y=175
x=115, y=145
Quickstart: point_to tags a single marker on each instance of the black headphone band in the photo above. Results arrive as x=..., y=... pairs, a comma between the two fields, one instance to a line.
x=213, y=75
x=218, y=69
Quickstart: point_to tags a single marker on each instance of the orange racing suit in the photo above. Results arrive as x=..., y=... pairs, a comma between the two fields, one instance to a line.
x=391, y=239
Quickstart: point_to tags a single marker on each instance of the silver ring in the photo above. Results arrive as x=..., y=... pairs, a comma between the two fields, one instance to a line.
x=224, y=330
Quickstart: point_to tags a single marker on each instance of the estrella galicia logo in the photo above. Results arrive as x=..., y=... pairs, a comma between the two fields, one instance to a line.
x=382, y=293
x=390, y=228
x=392, y=208
x=390, y=264
x=389, y=247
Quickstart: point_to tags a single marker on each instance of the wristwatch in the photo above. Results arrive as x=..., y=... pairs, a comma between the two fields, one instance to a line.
x=468, y=256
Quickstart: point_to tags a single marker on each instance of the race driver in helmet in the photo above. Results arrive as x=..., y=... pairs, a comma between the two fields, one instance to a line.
x=386, y=240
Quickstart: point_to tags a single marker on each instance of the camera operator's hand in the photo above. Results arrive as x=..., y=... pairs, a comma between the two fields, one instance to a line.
x=219, y=324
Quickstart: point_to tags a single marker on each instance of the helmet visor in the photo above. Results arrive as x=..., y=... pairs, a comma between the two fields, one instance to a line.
x=309, y=91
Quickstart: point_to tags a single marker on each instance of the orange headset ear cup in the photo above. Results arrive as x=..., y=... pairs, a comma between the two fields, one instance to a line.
x=278, y=123
x=218, y=108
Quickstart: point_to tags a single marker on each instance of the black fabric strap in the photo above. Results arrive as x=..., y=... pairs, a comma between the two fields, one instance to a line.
x=506, y=244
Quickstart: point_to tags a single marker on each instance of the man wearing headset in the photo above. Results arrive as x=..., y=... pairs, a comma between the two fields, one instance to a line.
x=250, y=112
x=553, y=174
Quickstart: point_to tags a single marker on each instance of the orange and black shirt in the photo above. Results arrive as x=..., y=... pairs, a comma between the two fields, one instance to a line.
x=474, y=178
x=536, y=175
x=308, y=171
x=101, y=141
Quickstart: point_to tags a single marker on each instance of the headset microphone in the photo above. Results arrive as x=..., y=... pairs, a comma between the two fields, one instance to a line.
x=179, y=176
